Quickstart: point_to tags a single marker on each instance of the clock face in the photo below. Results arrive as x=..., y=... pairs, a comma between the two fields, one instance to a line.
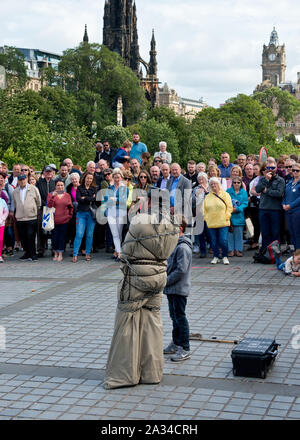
x=272, y=56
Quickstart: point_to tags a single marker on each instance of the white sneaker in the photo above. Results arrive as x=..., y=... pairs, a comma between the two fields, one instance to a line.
x=225, y=260
x=215, y=260
x=1, y=260
x=196, y=249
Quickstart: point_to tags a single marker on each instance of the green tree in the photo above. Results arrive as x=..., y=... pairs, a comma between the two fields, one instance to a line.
x=115, y=135
x=13, y=61
x=286, y=106
x=103, y=76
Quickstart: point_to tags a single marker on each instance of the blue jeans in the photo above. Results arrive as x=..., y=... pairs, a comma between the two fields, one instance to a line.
x=235, y=239
x=84, y=221
x=181, y=331
x=219, y=239
x=293, y=221
x=269, y=221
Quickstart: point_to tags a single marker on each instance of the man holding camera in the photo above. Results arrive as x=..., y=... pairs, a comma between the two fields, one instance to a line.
x=271, y=187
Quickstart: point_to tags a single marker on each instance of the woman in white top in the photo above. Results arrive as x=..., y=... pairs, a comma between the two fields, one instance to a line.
x=116, y=203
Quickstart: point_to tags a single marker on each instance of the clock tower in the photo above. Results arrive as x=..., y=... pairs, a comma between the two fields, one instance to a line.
x=274, y=61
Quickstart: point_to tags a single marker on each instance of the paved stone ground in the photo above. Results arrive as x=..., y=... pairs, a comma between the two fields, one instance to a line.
x=59, y=321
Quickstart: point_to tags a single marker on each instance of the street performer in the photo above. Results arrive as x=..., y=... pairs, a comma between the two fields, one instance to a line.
x=136, y=352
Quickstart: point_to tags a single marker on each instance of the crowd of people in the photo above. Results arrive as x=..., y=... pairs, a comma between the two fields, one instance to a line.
x=228, y=202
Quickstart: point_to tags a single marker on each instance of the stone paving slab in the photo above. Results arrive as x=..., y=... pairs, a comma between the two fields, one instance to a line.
x=59, y=335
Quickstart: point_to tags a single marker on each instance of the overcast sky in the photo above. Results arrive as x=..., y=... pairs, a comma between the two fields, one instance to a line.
x=210, y=49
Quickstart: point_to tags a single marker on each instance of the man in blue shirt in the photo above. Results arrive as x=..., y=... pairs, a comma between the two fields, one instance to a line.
x=137, y=148
x=225, y=166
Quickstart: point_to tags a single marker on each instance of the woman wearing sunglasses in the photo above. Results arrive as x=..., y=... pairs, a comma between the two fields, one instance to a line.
x=291, y=205
x=239, y=199
x=271, y=188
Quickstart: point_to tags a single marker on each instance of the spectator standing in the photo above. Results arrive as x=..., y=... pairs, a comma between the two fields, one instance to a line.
x=192, y=173
x=291, y=206
x=225, y=166
x=198, y=196
x=99, y=149
x=242, y=160
x=72, y=191
x=27, y=201
x=239, y=198
x=165, y=171
x=108, y=153
x=271, y=187
x=86, y=197
x=3, y=216
x=163, y=154
x=289, y=163
x=180, y=189
x=13, y=178
x=116, y=204
x=63, y=175
x=217, y=213
x=155, y=176
x=214, y=171
x=45, y=185
x=61, y=201
x=135, y=169
x=138, y=148
x=71, y=168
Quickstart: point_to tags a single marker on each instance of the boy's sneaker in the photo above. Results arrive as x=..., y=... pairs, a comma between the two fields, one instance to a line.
x=171, y=348
x=1, y=260
x=181, y=355
x=215, y=260
x=225, y=260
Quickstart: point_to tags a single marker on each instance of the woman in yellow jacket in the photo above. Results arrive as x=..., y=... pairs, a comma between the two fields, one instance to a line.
x=217, y=213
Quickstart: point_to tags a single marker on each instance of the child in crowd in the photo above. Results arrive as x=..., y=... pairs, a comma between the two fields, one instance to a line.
x=291, y=266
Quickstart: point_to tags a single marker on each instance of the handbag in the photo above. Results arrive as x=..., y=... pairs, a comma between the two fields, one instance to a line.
x=48, y=219
x=231, y=225
x=249, y=228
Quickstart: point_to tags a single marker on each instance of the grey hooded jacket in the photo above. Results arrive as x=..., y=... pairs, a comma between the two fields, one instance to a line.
x=179, y=268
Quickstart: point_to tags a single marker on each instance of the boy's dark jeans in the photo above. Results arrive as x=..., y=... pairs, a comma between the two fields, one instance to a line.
x=181, y=331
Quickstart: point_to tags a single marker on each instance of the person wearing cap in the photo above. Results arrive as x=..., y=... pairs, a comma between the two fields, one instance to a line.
x=27, y=202
x=45, y=185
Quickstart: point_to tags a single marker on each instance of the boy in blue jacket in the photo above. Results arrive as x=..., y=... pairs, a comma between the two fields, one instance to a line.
x=177, y=290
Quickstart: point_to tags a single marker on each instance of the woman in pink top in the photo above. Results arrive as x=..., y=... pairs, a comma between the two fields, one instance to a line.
x=61, y=201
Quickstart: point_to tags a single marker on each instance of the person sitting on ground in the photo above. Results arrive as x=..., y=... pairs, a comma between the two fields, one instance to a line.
x=291, y=266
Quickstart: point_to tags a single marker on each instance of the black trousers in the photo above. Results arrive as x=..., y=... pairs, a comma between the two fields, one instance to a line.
x=27, y=231
x=181, y=331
